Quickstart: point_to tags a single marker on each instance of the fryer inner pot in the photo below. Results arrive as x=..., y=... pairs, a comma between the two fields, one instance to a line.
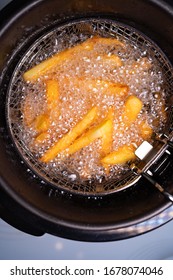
x=46, y=45
x=89, y=219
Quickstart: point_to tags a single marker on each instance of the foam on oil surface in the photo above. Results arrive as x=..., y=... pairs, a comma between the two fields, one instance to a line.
x=139, y=71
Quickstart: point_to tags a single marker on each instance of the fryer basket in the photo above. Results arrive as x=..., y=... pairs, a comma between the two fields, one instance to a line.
x=38, y=52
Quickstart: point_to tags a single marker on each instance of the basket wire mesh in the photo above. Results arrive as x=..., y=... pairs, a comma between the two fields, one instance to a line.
x=55, y=41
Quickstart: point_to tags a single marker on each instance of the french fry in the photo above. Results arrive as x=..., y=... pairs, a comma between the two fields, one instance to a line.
x=107, y=87
x=41, y=123
x=42, y=68
x=120, y=156
x=111, y=59
x=52, y=94
x=68, y=138
x=42, y=137
x=132, y=108
x=145, y=130
x=118, y=89
x=46, y=65
x=89, y=137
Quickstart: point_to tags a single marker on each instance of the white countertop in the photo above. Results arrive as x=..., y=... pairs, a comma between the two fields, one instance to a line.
x=155, y=245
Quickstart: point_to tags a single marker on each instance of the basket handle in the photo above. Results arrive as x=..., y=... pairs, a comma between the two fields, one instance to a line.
x=157, y=185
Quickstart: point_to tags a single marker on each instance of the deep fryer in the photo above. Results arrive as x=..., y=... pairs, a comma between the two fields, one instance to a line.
x=91, y=217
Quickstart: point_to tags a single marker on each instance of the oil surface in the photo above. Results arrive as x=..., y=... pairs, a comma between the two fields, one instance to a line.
x=78, y=94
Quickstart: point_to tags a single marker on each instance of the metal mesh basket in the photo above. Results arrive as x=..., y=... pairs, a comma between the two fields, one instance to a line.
x=55, y=41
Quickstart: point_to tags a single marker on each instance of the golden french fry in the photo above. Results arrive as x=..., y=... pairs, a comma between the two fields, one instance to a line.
x=132, y=108
x=112, y=59
x=42, y=137
x=41, y=123
x=120, y=156
x=48, y=64
x=68, y=138
x=52, y=94
x=106, y=87
x=89, y=137
x=106, y=168
x=118, y=89
x=145, y=130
